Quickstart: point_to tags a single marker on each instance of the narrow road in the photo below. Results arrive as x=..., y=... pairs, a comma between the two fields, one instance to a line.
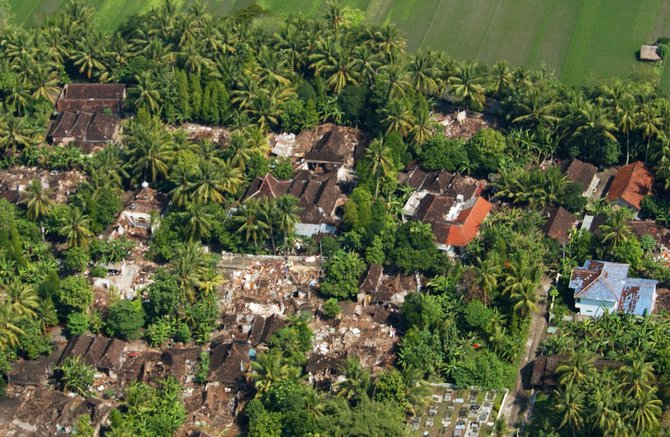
x=517, y=400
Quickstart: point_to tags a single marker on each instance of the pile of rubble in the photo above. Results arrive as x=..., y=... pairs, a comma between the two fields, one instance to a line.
x=197, y=133
x=462, y=124
x=14, y=182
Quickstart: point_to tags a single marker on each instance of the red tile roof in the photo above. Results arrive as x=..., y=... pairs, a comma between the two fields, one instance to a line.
x=631, y=184
x=468, y=222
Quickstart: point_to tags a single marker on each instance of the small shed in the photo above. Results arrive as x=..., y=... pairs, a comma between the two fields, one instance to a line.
x=649, y=53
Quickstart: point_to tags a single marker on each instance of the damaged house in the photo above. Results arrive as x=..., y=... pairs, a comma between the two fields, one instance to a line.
x=583, y=174
x=140, y=217
x=318, y=197
x=379, y=288
x=605, y=286
x=88, y=115
x=15, y=181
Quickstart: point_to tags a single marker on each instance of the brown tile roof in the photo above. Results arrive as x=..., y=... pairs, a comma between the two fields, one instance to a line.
x=468, y=222
x=581, y=172
x=85, y=128
x=101, y=352
x=148, y=200
x=631, y=184
x=559, y=223
x=651, y=228
x=372, y=279
x=91, y=97
x=317, y=194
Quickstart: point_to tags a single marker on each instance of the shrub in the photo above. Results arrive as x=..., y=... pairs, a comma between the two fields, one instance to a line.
x=125, y=319
x=331, y=308
x=76, y=259
x=159, y=332
x=77, y=323
x=73, y=375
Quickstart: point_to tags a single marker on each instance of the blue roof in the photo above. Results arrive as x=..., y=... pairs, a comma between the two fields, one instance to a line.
x=638, y=296
x=599, y=280
x=609, y=282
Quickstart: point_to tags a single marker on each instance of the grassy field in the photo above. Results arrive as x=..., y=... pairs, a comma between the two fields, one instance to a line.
x=582, y=40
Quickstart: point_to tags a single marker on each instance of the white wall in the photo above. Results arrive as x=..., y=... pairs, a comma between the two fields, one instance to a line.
x=594, y=308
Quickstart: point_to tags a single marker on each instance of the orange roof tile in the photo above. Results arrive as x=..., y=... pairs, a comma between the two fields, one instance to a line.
x=468, y=222
x=631, y=184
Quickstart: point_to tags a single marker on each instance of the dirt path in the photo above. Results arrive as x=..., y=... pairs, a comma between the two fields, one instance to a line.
x=517, y=400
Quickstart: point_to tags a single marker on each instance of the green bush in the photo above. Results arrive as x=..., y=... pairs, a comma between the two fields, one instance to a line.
x=77, y=323
x=125, y=319
x=331, y=308
x=159, y=332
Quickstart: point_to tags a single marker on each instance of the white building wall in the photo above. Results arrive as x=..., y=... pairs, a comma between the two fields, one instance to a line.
x=594, y=308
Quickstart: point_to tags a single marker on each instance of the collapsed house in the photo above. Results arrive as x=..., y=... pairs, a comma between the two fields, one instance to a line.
x=88, y=115
x=378, y=288
x=318, y=197
x=141, y=216
x=15, y=181
x=329, y=148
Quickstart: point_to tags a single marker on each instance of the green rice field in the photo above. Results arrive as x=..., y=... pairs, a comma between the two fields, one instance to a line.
x=581, y=40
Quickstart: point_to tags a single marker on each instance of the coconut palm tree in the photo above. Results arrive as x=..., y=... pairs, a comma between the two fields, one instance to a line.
x=398, y=118
x=267, y=370
x=487, y=272
x=150, y=150
x=422, y=130
x=501, y=77
x=534, y=109
x=21, y=297
x=637, y=377
x=251, y=221
x=37, y=200
x=356, y=382
x=570, y=404
x=77, y=228
x=616, y=230
x=626, y=116
x=14, y=134
x=423, y=72
x=88, y=54
x=467, y=84
x=147, y=92
x=577, y=368
x=380, y=161
x=287, y=211
x=335, y=14
x=9, y=329
x=645, y=411
x=524, y=298
x=189, y=265
x=211, y=183
x=198, y=221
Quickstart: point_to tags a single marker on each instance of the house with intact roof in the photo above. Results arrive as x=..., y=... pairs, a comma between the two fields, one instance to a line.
x=605, y=286
x=630, y=185
x=318, y=197
x=88, y=115
x=583, y=174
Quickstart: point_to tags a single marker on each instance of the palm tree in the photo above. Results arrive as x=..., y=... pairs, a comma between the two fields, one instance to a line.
x=287, y=211
x=616, y=230
x=649, y=123
x=335, y=14
x=268, y=370
x=534, y=109
x=250, y=218
x=9, y=329
x=22, y=298
x=398, y=118
x=14, y=134
x=577, y=368
x=645, y=411
x=77, y=228
x=502, y=78
x=147, y=92
x=181, y=176
x=45, y=83
x=37, y=200
x=88, y=54
x=626, y=116
x=211, y=183
x=190, y=267
x=525, y=298
x=637, y=377
x=487, y=272
x=380, y=161
x=150, y=150
x=570, y=403
x=198, y=221
x=356, y=381
x=422, y=130
x=423, y=72
x=467, y=85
